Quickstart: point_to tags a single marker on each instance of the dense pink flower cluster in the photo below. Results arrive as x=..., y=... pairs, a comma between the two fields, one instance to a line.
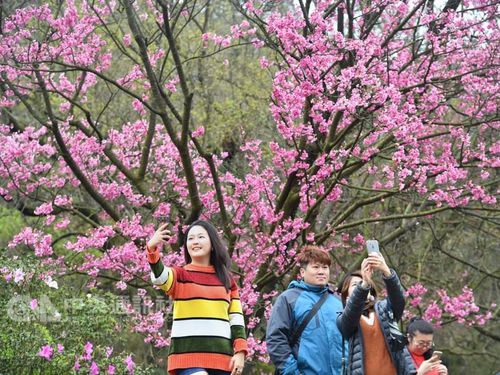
x=395, y=99
x=415, y=293
x=243, y=30
x=257, y=349
x=150, y=325
x=39, y=241
x=461, y=308
x=88, y=360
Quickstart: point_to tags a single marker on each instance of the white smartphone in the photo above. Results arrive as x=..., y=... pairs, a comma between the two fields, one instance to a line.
x=372, y=246
x=437, y=353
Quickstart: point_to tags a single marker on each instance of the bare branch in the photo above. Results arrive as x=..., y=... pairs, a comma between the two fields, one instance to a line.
x=65, y=153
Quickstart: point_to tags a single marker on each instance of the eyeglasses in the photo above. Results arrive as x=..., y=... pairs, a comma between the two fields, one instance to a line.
x=424, y=344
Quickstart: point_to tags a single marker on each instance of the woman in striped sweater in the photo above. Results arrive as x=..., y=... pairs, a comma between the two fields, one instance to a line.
x=208, y=330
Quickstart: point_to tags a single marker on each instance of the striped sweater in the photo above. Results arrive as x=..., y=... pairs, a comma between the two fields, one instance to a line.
x=208, y=325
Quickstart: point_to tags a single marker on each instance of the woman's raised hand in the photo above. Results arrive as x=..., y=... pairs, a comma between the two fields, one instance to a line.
x=161, y=235
x=366, y=273
x=377, y=262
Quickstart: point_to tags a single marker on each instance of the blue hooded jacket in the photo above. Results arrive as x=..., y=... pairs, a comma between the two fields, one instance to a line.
x=319, y=350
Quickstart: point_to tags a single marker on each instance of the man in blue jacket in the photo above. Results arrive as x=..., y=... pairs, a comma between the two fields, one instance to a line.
x=319, y=348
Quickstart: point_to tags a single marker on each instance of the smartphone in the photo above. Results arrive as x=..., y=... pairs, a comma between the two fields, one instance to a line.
x=437, y=353
x=372, y=246
x=163, y=219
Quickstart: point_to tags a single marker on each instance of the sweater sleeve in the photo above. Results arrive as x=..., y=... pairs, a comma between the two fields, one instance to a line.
x=237, y=322
x=348, y=321
x=161, y=276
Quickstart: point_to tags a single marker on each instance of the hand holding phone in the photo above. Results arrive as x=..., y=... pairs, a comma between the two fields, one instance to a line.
x=162, y=235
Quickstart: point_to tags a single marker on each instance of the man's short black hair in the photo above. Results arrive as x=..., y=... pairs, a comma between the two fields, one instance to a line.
x=420, y=325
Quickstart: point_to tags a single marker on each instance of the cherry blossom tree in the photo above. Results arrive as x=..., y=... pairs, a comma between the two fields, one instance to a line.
x=384, y=117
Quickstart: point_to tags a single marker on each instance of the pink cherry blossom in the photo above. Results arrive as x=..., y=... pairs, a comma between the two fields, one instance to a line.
x=109, y=351
x=87, y=351
x=34, y=304
x=94, y=369
x=18, y=276
x=130, y=364
x=46, y=352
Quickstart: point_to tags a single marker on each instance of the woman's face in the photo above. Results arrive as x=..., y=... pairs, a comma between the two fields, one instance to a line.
x=353, y=283
x=198, y=245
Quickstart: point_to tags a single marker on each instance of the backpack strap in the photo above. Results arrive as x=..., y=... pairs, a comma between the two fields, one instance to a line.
x=308, y=318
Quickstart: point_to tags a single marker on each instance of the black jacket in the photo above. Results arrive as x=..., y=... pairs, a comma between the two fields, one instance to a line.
x=385, y=310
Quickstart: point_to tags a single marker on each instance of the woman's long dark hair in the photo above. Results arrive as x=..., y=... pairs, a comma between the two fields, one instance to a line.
x=343, y=289
x=219, y=256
